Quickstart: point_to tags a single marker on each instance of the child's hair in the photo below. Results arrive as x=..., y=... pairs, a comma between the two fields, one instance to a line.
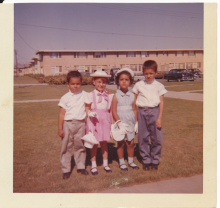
x=123, y=72
x=150, y=64
x=73, y=74
x=103, y=79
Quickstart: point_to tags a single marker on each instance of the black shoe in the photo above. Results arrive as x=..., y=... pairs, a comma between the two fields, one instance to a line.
x=134, y=166
x=107, y=170
x=146, y=166
x=124, y=169
x=82, y=171
x=95, y=172
x=154, y=166
x=66, y=175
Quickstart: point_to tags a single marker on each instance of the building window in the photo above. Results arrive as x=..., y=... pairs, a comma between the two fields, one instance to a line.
x=145, y=54
x=192, y=53
x=176, y=66
x=99, y=54
x=157, y=54
x=178, y=53
x=55, y=55
x=182, y=65
x=198, y=65
x=130, y=54
x=182, y=53
x=167, y=53
x=80, y=55
x=117, y=54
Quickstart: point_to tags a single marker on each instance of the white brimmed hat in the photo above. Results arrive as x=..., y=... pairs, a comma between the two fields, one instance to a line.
x=100, y=74
x=116, y=133
x=89, y=140
x=125, y=69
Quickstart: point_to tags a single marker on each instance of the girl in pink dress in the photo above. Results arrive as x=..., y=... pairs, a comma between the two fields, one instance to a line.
x=98, y=104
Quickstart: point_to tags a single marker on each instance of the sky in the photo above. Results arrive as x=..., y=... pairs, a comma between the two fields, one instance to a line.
x=106, y=26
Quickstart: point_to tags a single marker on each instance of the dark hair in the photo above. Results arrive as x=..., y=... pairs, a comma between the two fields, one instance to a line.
x=150, y=64
x=123, y=72
x=72, y=74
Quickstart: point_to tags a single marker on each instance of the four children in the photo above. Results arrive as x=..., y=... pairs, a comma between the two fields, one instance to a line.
x=102, y=109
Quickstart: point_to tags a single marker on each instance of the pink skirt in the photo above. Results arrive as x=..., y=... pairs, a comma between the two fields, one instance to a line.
x=101, y=127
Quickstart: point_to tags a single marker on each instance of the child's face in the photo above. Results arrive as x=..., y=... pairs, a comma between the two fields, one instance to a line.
x=100, y=84
x=124, y=81
x=149, y=74
x=74, y=84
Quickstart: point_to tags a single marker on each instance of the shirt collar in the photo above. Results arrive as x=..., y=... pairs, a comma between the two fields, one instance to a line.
x=123, y=94
x=149, y=82
x=71, y=93
x=96, y=91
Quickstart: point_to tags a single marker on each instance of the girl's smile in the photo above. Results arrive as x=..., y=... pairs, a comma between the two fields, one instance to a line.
x=100, y=84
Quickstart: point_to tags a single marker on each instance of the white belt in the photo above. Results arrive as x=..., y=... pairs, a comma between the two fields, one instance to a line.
x=124, y=107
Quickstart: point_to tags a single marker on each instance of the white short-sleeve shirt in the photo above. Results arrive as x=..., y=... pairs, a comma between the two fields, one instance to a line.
x=74, y=104
x=102, y=105
x=148, y=93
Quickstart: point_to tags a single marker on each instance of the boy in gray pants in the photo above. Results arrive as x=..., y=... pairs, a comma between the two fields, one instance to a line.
x=150, y=101
x=71, y=125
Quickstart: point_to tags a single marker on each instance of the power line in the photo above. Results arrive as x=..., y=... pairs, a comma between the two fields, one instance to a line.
x=24, y=40
x=87, y=31
x=150, y=11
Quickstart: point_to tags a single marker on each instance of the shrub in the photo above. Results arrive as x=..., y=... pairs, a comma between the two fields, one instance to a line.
x=58, y=79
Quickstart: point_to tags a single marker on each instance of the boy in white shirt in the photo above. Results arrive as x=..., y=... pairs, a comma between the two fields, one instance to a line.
x=71, y=125
x=149, y=95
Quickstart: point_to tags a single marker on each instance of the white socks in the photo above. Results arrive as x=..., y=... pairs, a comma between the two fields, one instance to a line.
x=105, y=165
x=94, y=166
x=122, y=163
x=131, y=161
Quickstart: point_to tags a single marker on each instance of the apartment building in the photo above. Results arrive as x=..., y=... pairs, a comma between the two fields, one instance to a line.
x=55, y=62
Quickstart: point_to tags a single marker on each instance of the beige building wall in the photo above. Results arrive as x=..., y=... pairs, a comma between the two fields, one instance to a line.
x=60, y=62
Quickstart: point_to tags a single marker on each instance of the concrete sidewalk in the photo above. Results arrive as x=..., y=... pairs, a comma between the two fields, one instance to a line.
x=188, y=185
x=186, y=95
x=30, y=84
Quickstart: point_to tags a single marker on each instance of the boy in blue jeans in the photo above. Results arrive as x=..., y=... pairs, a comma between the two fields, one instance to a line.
x=149, y=95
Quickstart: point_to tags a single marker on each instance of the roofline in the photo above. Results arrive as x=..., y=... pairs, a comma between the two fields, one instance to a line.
x=46, y=51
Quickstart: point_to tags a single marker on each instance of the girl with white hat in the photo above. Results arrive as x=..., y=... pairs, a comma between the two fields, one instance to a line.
x=98, y=104
x=125, y=114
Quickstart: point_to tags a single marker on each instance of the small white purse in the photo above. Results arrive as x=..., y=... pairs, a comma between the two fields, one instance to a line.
x=116, y=133
x=89, y=139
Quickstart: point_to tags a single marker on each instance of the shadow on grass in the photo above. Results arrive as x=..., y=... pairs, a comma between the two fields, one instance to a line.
x=112, y=155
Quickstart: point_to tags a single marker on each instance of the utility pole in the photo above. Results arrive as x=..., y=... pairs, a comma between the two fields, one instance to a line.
x=16, y=66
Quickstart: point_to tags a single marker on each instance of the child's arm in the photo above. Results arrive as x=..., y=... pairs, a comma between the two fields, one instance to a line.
x=134, y=107
x=60, y=122
x=161, y=105
x=114, y=108
x=87, y=108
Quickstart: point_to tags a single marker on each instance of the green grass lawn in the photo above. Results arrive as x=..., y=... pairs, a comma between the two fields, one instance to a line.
x=37, y=145
x=183, y=86
x=25, y=80
x=37, y=149
x=45, y=92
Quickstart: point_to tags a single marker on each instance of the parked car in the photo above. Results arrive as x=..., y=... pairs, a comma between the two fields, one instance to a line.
x=138, y=76
x=112, y=73
x=196, y=73
x=85, y=73
x=160, y=74
x=179, y=75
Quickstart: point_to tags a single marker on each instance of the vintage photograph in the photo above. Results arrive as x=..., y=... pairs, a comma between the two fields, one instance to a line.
x=108, y=98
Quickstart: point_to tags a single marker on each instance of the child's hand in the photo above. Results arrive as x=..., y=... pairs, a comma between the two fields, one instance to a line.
x=61, y=133
x=159, y=123
x=136, y=127
x=107, y=92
